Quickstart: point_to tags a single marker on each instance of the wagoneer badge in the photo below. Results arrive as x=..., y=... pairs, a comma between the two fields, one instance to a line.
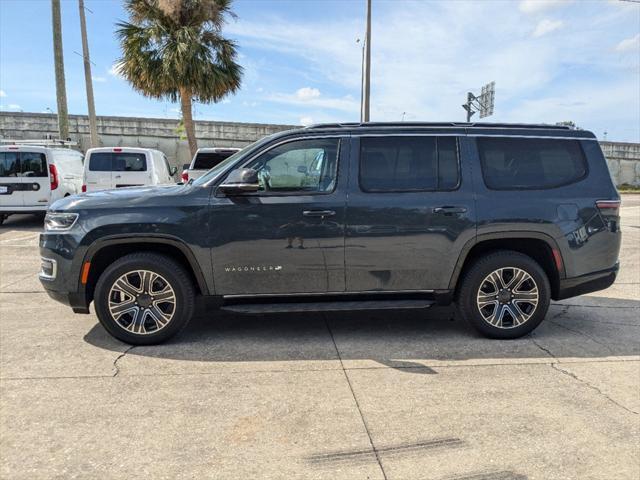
x=250, y=268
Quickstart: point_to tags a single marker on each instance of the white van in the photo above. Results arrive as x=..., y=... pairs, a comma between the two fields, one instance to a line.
x=115, y=167
x=33, y=177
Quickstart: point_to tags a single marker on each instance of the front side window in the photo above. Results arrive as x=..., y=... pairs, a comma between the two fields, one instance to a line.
x=33, y=164
x=9, y=165
x=405, y=164
x=530, y=163
x=299, y=166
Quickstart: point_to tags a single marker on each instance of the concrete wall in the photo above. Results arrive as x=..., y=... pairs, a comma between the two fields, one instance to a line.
x=624, y=162
x=159, y=133
x=623, y=158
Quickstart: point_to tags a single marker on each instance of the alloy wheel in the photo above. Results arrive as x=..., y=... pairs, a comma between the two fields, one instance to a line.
x=142, y=302
x=507, y=297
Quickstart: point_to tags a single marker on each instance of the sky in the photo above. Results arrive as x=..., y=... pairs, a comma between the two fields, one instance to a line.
x=552, y=60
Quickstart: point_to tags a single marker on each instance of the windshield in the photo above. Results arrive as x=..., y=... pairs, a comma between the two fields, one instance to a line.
x=215, y=171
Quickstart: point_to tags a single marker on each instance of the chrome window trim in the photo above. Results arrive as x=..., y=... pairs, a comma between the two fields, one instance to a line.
x=241, y=163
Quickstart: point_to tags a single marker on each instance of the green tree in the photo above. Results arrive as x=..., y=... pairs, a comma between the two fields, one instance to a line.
x=174, y=49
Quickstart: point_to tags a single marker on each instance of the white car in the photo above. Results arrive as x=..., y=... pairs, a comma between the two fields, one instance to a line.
x=205, y=159
x=32, y=177
x=115, y=167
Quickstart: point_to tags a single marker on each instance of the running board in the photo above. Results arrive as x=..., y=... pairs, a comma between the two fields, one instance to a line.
x=258, y=308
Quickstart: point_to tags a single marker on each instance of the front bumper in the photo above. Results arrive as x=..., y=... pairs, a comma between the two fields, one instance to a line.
x=592, y=282
x=62, y=281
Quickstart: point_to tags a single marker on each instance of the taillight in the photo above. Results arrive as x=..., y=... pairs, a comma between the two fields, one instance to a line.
x=53, y=177
x=185, y=176
x=84, y=189
x=609, y=207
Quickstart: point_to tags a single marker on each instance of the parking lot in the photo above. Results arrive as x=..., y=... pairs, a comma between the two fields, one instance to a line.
x=353, y=396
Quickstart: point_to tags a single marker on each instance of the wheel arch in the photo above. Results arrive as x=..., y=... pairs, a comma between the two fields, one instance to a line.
x=103, y=252
x=540, y=247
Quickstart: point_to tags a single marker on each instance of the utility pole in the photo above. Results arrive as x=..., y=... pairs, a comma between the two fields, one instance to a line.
x=367, y=67
x=93, y=127
x=61, y=90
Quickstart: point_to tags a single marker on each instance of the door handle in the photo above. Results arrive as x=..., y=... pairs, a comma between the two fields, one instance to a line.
x=318, y=213
x=448, y=210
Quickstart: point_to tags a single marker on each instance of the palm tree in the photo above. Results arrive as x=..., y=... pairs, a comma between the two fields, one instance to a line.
x=175, y=49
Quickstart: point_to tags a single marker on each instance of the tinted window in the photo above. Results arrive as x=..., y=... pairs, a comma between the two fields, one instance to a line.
x=207, y=160
x=529, y=163
x=301, y=166
x=33, y=164
x=100, y=162
x=9, y=165
x=396, y=164
x=117, y=162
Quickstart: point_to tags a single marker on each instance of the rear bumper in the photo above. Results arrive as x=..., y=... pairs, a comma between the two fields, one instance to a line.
x=592, y=282
x=30, y=209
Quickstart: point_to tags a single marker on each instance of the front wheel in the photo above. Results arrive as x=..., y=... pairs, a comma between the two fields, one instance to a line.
x=144, y=298
x=504, y=295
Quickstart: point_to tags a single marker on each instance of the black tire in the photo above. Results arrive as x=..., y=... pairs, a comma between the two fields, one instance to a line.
x=2, y=218
x=475, y=278
x=171, y=273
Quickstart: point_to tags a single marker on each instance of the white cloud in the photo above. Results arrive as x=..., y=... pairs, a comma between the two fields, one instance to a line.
x=14, y=106
x=113, y=71
x=312, y=98
x=226, y=101
x=629, y=44
x=3, y=93
x=547, y=26
x=307, y=93
x=306, y=121
x=98, y=79
x=536, y=6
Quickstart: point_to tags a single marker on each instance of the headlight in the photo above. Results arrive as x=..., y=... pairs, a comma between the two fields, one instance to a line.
x=59, y=221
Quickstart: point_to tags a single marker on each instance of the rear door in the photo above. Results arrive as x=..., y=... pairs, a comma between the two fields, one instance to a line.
x=98, y=172
x=35, y=179
x=11, y=194
x=131, y=169
x=410, y=211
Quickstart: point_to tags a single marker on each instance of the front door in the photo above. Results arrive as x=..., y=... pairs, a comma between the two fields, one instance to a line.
x=410, y=211
x=287, y=238
x=11, y=194
x=35, y=178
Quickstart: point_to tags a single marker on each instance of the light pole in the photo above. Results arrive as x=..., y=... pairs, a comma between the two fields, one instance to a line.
x=61, y=90
x=367, y=67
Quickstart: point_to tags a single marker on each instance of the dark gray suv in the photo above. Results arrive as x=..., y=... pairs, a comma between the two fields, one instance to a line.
x=497, y=218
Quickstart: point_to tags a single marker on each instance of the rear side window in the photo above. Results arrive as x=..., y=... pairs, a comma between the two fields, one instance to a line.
x=9, y=165
x=208, y=160
x=117, y=162
x=530, y=163
x=405, y=164
x=33, y=164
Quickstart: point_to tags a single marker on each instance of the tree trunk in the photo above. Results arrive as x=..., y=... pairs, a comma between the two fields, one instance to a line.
x=189, y=126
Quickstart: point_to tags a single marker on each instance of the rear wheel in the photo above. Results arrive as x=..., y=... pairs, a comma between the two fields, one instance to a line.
x=504, y=295
x=2, y=218
x=144, y=298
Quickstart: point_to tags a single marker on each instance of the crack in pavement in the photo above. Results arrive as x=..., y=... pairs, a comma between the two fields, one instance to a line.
x=355, y=399
x=593, y=339
x=556, y=366
x=115, y=362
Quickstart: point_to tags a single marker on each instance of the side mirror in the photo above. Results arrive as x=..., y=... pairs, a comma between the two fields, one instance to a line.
x=241, y=180
x=173, y=171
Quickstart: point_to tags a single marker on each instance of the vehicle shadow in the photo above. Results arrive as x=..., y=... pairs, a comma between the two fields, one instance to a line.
x=23, y=223
x=406, y=340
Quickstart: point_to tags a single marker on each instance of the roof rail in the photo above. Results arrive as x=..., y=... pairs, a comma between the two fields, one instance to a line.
x=436, y=124
x=47, y=142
